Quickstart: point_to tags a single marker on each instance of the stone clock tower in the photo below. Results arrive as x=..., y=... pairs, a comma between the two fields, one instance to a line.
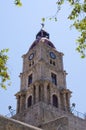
x=43, y=94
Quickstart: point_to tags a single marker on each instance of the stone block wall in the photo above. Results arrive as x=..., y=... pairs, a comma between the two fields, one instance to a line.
x=76, y=123
x=11, y=124
x=57, y=124
x=39, y=113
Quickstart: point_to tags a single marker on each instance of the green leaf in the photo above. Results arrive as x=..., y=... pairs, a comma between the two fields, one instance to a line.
x=83, y=56
x=84, y=7
x=55, y=19
x=4, y=76
x=50, y=18
x=43, y=19
x=18, y=3
x=60, y=2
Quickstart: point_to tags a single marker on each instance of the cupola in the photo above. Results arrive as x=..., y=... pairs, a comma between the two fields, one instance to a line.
x=42, y=34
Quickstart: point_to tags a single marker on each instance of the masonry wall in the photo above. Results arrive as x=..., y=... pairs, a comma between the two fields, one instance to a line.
x=57, y=124
x=43, y=114
x=52, y=113
x=11, y=124
x=76, y=123
x=33, y=115
x=64, y=122
x=39, y=113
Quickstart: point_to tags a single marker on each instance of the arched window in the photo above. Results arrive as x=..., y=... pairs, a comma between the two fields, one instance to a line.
x=55, y=100
x=29, y=102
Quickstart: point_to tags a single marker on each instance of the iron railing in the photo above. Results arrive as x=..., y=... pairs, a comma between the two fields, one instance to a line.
x=79, y=114
x=72, y=111
x=12, y=113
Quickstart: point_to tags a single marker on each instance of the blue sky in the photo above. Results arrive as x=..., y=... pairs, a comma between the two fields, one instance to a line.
x=18, y=28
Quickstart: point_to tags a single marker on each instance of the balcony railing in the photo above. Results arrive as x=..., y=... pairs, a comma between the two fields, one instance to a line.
x=12, y=113
x=79, y=114
x=72, y=111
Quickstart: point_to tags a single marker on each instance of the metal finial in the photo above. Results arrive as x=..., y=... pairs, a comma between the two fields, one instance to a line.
x=42, y=25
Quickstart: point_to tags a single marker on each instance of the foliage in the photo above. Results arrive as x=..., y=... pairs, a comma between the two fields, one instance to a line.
x=18, y=3
x=78, y=16
x=4, y=76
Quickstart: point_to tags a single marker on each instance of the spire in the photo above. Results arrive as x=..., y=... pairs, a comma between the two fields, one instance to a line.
x=42, y=25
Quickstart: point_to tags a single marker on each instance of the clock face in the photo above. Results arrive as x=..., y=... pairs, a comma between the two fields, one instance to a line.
x=31, y=56
x=52, y=55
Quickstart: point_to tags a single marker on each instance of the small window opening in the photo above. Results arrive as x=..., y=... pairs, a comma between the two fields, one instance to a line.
x=48, y=87
x=32, y=62
x=54, y=78
x=30, y=79
x=54, y=63
x=50, y=61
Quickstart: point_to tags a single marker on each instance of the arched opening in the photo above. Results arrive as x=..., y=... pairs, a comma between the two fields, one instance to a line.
x=29, y=103
x=55, y=100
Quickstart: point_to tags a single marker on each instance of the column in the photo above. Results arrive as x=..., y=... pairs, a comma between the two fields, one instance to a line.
x=18, y=104
x=22, y=102
x=68, y=101
x=45, y=92
x=65, y=105
x=34, y=94
x=37, y=92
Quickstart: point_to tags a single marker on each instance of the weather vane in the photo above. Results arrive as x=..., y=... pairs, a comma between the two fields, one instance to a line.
x=42, y=25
